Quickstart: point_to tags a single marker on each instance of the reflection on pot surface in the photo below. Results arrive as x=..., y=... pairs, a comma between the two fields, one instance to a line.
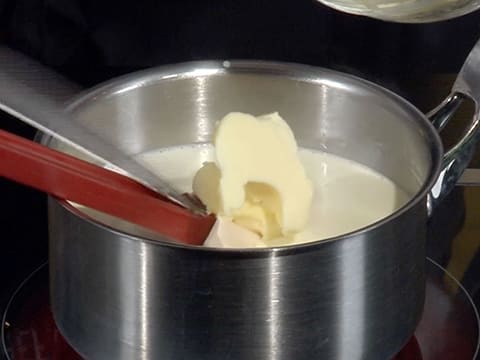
x=354, y=297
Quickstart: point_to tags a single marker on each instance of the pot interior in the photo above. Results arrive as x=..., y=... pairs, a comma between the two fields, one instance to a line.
x=336, y=113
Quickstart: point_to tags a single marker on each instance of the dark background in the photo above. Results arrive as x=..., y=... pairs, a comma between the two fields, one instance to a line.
x=92, y=41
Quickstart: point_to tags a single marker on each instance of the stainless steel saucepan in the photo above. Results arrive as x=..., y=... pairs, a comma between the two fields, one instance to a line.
x=119, y=295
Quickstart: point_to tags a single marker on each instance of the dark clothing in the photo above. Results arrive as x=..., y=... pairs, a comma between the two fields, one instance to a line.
x=93, y=40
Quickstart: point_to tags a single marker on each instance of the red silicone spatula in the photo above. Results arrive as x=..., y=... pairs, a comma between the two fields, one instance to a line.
x=67, y=177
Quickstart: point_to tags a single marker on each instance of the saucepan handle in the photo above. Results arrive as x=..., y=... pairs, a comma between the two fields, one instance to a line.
x=456, y=158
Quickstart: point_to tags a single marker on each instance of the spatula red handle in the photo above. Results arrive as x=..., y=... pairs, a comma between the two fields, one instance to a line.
x=67, y=177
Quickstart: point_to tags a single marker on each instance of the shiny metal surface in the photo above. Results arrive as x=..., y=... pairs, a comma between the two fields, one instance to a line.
x=115, y=297
x=23, y=99
x=36, y=77
x=456, y=159
x=33, y=336
x=118, y=295
x=406, y=11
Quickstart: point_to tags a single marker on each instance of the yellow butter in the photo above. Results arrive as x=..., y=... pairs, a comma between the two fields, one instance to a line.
x=257, y=180
x=227, y=234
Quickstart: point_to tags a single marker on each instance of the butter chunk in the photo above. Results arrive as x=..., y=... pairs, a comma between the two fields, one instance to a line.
x=257, y=180
x=206, y=184
x=227, y=234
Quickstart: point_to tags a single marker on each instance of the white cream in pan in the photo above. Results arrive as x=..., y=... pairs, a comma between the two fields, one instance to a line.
x=267, y=192
x=347, y=195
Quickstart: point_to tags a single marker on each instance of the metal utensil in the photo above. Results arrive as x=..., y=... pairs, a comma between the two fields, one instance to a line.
x=67, y=177
x=39, y=111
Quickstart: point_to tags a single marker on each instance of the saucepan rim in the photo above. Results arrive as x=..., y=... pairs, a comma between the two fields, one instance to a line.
x=299, y=72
